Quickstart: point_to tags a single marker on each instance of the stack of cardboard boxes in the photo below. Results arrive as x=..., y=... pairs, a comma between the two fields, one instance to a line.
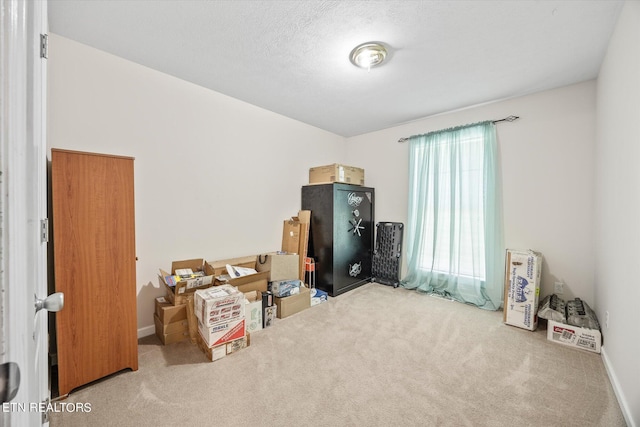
x=220, y=311
x=217, y=310
x=290, y=294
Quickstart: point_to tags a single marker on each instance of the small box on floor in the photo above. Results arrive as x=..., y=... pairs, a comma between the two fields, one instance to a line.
x=574, y=336
x=270, y=314
x=293, y=304
x=222, y=350
x=522, y=288
x=318, y=296
x=253, y=311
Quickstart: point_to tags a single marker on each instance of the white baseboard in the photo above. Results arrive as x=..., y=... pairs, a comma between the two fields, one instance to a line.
x=146, y=331
x=622, y=401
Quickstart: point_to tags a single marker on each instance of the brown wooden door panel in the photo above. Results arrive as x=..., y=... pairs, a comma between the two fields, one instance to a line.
x=94, y=262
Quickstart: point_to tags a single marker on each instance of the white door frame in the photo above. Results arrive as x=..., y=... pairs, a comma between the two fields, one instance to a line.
x=23, y=205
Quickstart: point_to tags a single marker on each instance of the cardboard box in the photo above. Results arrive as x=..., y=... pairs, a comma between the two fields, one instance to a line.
x=220, y=351
x=253, y=311
x=574, y=336
x=170, y=328
x=252, y=282
x=218, y=304
x=336, y=173
x=222, y=333
x=192, y=320
x=522, y=288
x=288, y=306
x=219, y=267
x=295, y=238
x=318, y=296
x=270, y=315
x=281, y=266
x=178, y=294
x=169, y=338
x=169, y=313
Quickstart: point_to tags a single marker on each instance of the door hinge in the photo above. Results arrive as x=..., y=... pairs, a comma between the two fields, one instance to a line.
x=44, y=46
x=44, y=230
x=45, y=414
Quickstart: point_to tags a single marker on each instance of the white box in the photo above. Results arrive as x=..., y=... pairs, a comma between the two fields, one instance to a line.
x=574, y=336
x=222, y=333
x=522, y=288
x=218, y=304
x=253, y=315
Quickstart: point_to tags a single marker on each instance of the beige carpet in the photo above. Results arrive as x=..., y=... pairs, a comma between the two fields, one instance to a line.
x=375, y=356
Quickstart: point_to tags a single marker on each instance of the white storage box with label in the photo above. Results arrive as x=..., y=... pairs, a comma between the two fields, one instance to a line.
x=219, y=304
x=223, y=332
x=522, y=288
x=574, y=336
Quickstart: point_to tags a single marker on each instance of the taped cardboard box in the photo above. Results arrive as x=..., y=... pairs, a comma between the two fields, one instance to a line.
x=223, y=350
x=522, y=288
x=288, y=306
x=574, y=336
x=218, y=304
x=177, y=293
x=280, y=265
x=336, y=173
x=172, y=337
x=169, y=313
x=170, y=328
x=222, y=333
x=253, y=282
x=191, y=318
x=295, y=238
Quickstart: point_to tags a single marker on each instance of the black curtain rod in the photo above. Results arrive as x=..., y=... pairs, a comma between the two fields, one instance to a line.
x=506, y=119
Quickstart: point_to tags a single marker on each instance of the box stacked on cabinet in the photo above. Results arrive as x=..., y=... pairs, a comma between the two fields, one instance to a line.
x=522, y=288
x=170, y=321
x=336, y=173
x=185, y=278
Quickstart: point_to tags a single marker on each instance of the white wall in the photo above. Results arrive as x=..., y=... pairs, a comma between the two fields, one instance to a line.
x=617, y=204
x=547, y=159
x=214, y=177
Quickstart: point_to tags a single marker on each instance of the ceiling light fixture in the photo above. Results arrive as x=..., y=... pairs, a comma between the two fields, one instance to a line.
x=368, y=55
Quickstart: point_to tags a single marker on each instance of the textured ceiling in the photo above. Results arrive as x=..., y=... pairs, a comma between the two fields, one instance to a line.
x=291, y=57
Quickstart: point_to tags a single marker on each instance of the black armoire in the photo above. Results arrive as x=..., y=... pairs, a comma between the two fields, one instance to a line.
x=341, y=234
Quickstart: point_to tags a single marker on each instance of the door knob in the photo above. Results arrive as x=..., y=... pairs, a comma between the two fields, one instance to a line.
x=54, y=302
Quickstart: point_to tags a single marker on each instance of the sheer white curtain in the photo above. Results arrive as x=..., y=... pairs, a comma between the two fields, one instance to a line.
x=454, y=230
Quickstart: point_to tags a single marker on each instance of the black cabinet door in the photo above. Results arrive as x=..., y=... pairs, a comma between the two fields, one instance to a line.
x=353, y=237
x=342, y=234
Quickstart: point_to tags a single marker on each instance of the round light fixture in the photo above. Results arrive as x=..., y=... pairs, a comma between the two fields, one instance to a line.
x=368, y=55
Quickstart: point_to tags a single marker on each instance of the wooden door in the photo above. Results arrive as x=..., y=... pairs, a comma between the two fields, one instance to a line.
x=94, y=262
